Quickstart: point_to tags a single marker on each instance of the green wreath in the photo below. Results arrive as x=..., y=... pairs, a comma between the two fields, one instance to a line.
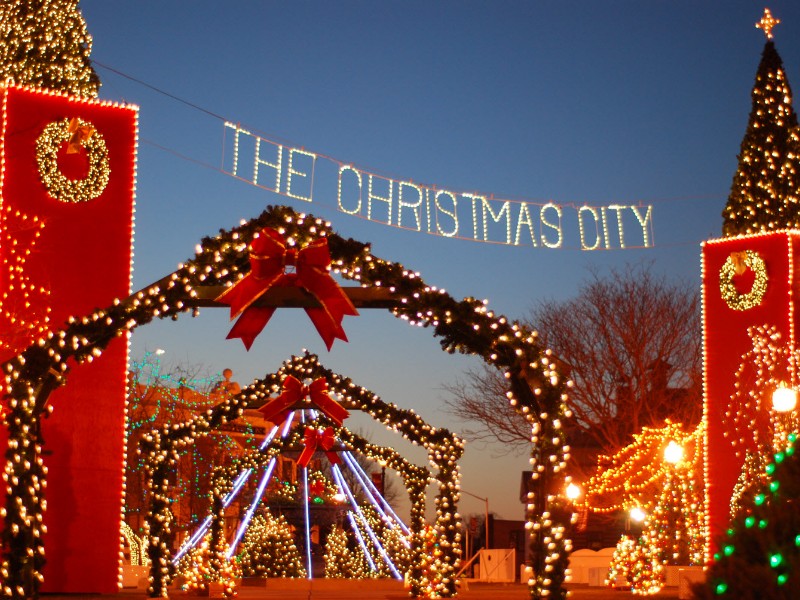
x=59, y=186
x=728, y=290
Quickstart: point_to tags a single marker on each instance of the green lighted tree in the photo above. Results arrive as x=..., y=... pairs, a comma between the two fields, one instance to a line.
x=759, y=557
x=764, y=192
x=46, y=45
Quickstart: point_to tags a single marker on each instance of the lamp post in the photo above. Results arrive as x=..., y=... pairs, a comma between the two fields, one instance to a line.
x=486, y=500
x=673, y=453
x=637, y=515
x=784, y=401
x=573, y=492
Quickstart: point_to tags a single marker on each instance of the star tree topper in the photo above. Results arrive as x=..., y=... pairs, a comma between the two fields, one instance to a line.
x=767, y=22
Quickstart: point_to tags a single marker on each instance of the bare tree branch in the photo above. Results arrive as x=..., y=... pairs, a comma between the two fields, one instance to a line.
x=632, y=344
x=480, y=400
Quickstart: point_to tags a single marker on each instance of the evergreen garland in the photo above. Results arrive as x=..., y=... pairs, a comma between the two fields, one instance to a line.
x=537, y=390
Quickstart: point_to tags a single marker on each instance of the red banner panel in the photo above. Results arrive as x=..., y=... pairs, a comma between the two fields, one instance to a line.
x=748, y=332
x=66, y=230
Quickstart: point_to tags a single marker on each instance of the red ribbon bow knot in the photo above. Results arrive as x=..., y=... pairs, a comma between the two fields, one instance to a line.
x=78, y=134
x=277, y=410
x=269, y=257
x=317, y=439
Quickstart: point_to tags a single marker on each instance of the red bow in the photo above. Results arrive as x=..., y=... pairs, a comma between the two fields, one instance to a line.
x=277, y=410
x=316, y=488
x=314, y=439
x=269, y=257
x=78, y=134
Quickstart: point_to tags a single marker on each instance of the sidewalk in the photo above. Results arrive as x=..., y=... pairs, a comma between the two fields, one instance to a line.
x=317, y=590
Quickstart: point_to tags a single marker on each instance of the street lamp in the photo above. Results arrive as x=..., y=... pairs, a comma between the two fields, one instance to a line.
x=784, y=399
x=486, y=500
x=573, y=492
x=673, y=453
x=637, y=515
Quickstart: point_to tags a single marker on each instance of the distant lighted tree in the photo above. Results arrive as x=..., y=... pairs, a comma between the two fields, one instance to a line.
x=660, y=473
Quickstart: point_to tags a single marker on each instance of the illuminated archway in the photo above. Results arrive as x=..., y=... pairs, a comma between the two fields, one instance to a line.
x=536, y=389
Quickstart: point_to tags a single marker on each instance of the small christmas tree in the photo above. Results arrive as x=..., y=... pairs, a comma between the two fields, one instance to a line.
x=46, y=45
x=390, y=540
x=268, y=549
x=760, y=555
x=677, y=523
x=634, y=564
x=340, y=561
x=764, y=194
x=203, y=565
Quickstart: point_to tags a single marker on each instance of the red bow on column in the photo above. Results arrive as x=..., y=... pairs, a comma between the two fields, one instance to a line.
x=269, y=257
x=315, y=439
x=293, y=391
x=77, y=135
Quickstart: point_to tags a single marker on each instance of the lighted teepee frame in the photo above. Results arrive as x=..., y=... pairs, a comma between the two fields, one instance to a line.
x=444, y=449
x=226, y=479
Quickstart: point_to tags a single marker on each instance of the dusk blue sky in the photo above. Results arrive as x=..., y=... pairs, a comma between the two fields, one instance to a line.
x=596, y=103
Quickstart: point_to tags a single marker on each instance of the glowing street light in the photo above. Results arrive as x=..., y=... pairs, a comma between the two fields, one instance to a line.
x=673, y=453
x=573, y=492
x=637, y=515
x=784, y=399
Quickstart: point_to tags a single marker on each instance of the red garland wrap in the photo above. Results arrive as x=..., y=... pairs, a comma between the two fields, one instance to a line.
x=269, y=257
x=278, y=410
x=317, y=439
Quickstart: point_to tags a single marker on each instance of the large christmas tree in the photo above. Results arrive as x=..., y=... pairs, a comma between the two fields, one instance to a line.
x=46, y=45
x=764, y=194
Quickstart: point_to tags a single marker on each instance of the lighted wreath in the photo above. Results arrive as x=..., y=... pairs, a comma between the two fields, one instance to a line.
x=727, y=288
x=79, y=134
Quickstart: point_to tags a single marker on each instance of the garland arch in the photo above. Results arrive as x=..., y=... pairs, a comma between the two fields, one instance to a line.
x=444, y=449
x=536, y=388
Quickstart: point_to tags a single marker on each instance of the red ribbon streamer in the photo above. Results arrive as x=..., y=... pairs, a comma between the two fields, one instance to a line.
x=318, y=439
x=277, y=410
x=269, y=257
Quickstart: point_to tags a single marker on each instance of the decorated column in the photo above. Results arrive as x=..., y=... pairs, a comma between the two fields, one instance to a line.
x=66, y=204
